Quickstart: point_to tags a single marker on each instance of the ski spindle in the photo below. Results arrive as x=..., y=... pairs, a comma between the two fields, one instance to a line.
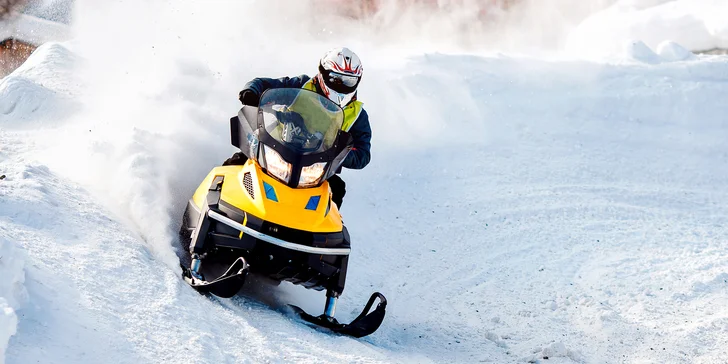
x=195, y=266
x=330, y=309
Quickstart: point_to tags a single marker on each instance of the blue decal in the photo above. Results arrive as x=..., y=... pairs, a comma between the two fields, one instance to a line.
x=270, y=192
x=328, y=208
x=313, y=203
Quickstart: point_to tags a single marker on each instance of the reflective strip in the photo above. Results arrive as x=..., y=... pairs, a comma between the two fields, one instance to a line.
x=309, y=85
x=351, y=113
x=275, y=241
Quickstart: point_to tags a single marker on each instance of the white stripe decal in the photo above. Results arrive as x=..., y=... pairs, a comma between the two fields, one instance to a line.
x=275, y=241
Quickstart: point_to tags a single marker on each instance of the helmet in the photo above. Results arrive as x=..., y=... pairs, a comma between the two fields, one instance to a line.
x=339, y=74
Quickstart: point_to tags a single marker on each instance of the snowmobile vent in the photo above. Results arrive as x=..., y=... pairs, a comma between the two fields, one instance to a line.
x=248, y=182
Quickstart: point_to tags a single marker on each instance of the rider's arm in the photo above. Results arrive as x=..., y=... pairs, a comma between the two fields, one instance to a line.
x=259, y=85
x=361, y=132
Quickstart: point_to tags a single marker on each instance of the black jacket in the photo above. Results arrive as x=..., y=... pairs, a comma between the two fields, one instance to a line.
x=361, y=131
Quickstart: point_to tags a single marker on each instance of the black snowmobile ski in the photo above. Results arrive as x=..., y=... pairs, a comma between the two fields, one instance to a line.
x=364, y=324
x=225, y=286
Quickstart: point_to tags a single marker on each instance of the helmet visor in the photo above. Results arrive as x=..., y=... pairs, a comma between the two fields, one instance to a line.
x=342, y=79
x=340, y=82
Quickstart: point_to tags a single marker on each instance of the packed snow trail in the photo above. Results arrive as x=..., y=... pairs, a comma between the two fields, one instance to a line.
x=514, y=209
x=572, y=211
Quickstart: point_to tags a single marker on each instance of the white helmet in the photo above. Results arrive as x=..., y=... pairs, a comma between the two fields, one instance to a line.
x=339, y=74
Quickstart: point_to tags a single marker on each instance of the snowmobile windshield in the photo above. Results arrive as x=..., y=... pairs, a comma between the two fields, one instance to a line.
x=301, y=120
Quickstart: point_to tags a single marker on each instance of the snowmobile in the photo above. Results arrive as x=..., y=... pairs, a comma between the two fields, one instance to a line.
x=273, y=216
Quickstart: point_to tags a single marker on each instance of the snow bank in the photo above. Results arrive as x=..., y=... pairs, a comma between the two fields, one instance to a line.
x=695, y=24
x=11, y=269
x=673, y=52
x=52, y=65
x=12, y=291
x=639, y=51
x=666, y=52
x=42, y=87
x=8, y=323
x=21, y=98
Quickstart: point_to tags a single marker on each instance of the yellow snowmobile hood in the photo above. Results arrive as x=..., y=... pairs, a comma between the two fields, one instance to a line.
x=249, y=189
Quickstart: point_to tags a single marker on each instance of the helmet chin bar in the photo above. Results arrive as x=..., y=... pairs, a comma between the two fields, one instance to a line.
x=339, y=98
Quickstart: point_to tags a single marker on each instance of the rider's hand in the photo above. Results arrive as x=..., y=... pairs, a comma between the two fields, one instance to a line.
x=248, y=97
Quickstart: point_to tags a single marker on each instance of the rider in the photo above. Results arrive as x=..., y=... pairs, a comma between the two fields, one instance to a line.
x=340, y=72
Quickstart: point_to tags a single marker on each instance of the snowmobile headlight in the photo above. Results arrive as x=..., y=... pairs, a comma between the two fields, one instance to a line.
x=311, y=175
x=276, y=165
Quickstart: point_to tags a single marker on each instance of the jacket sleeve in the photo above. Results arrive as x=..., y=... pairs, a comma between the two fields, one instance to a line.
x=260, y=85
x=361, y=132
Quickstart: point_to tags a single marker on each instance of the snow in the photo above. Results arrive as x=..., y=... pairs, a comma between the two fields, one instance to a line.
x=12, y=291
x=33, y=30
x=516, y=208
x=698, y=25
x=13, y=295
x=59, y=11
x=673, y=52
x=42, y=85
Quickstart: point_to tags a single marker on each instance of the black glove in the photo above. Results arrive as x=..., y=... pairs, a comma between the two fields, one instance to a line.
x=238, y=159
x=248, y=97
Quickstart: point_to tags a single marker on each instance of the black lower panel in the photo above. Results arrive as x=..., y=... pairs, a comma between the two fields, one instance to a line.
x=223, y=245
x=281, y=264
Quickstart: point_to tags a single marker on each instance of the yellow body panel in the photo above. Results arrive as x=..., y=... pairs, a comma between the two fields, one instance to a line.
x=289, y=211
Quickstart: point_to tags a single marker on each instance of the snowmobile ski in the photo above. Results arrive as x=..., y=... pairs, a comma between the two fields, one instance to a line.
x=364, y=324
x=225, y=286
